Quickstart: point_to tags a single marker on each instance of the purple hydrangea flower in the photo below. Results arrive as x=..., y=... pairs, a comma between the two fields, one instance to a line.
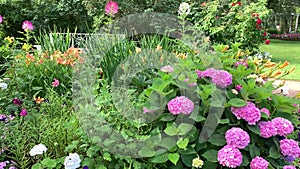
x=180, y=104
x=283, y=126
x=259, y=163
x=237, y=137
x=250, y=113
x=267, y=129
x=289, y=147
x=230, y=156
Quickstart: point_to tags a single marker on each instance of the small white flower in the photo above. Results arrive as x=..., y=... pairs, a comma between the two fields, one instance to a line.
x=72, y=161
x=38, y=149
x=252, y=76
x=234, y=91
x=260, y=80
x=184, y=9
x=3, y=85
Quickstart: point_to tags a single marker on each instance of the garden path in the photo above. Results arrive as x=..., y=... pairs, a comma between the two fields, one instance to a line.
x=290, y=88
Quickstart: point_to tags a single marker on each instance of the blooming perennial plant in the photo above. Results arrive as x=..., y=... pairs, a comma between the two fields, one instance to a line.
x=259, y=163
x=38, y=150
x=72, y=161
x=111, y=8
x=180, y=104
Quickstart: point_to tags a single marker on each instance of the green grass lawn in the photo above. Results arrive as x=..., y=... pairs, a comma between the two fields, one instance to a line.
x=285, y=50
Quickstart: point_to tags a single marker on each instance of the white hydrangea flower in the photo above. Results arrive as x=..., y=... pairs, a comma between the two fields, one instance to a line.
x=184, y=9
x=3, y=85
x=72, y=161
x=38, y=149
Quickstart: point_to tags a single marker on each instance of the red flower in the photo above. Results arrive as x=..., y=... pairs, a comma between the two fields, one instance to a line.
x=233, y=4
x=255, y=15
x=239, y=3
x=258, y=21
x=265, y=33
x=267, y=41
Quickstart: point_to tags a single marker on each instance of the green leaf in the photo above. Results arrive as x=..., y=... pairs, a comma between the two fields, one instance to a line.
x=171, y=130
x=182, y=143
x=107, y=157
x=37, y=88
x=37, y=166
x=160, y=159
x=146, y=152
x=49, y=163
x=174, y=157
x=274, y=153
x=236, y=102
x=254, y=151
x=211, y=155
x=245, y=161
x=188, y=159
x=168, y=142
x=198, y=118
x=217, y=139
x=184, y=128
x=168, y=117
x=254, y=128
x=224, y=121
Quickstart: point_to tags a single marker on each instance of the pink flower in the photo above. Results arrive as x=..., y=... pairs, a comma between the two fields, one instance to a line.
x=180, y=104
x=219, y=77
x=1, y=19
x=111, y=8
x=259, y=163
x=237, y=137
x=167, y=69
x=266, y=111
x=55, y=82
x=289, y=167
x=250, y=113
x=267, y=41
x=230, y=156
x=27, y=26
x=147, y=110
x=238, y=87
x=17, y=102
x=289, y=147
x=242, y=62
x=239, y=3
x=265, y=33
x=23, y=112
x=283, y=126
x=267, y=129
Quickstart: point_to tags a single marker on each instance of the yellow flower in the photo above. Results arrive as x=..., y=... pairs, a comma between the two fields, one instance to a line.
x=26, y=47
x=269, y=64
x=9, y=39
x=181, y=55
x=158, y=47
x=138, y=50
x=197, y=163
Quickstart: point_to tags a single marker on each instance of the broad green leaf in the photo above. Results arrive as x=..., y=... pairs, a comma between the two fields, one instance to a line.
x=182, y=143
x=37, y=166
x=274, y=153
x=211, y=155
x=174, y=157
x=245, y=161
x=49, y=163
x=168, y=142
x=146, y=152
x=254, y=151
x=160, y=159
x=184, y=128
x=236, y=102
x=198, y=118
x=254, y=128
x=224, y=121
x=217, y=140
x=171, y=130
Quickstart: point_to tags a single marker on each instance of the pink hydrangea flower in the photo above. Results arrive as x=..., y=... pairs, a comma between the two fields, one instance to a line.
x=237, y=137
x=55, y=82
x=230, y=156
x=111, y=8
x=242, y=62
x=23, y=112
x=219, y=77
x=267, y=129
x=238, y=87
x=283, y=126
x=27, y=26
x=1, y=19
x=289, y=167
x=250, y=113
x=259, y=163
x=167, y=69
x=289, y=147
x=180, y=104
x=266, y=111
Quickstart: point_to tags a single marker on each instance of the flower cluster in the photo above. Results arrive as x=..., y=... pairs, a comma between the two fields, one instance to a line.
x=267, y=129
x=184, y=9
x=289, y=147
x=219, y=77
x=72, y=161
x=237, y=137
x=180, y=104
x=111, y=8
x=27, y=26
x=38, y=149
x=259, y=163
x=197, y=163
x=283, y=126
x=230, y=156
x=289, y=167
x=250, y=113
